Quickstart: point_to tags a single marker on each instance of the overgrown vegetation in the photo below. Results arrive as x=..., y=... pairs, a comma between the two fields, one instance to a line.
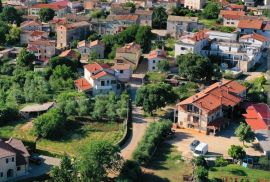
x=152, y=137
x=256, y=92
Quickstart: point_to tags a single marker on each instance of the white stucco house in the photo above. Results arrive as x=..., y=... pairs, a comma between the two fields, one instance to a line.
x=154, y=57
x=122, y=71
x=98, y=79
x=14, y=159
x=191, y=43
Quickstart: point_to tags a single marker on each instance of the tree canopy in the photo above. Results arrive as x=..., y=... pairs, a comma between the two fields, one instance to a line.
x=163, y=66
x=46, y=14
x=159, y=18
x=244, y=132
x=236, y=152
x=193, y=67
x=97, y=160
x=211, y=10
x=154, y=96
x=25, y=59
x=10, y=15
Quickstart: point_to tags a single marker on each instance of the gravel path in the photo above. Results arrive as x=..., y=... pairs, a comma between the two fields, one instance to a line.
x=139, y=125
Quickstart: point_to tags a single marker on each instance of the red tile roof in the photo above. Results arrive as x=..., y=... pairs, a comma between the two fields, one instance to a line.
x=52, y=6
x=255, y=36
x=236, y=6
x=157, y=54
x=230, y=12
x=82, y=84
x=258, y=116
x=97, y=70
x=253, y=24
x=213, y=97
x=70, y=54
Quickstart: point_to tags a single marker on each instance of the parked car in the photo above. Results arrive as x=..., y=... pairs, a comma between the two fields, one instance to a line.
x=35, y=160
x=194, y=144
x=201, y=149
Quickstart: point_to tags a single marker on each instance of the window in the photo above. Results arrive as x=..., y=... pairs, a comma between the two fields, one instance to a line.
x=153, y=67
x=12, y=159
x=102, y=83
x=1, y=174
x=18, y=168
x=108, y=81
x=154, y=61
x=232, y=23
x=183, y=48
x=189, y=107
x=113, y=82
x=121, y=71
x=6, y=160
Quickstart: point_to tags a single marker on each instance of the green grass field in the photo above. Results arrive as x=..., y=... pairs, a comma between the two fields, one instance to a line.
x=155, y=77
x=208, y=22
x=73, y=141
x=239, y=172
x=166, y=165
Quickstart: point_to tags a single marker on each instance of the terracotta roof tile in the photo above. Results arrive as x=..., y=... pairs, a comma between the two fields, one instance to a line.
x=157, y=54
x=253, y=24
x=82, y=84
x=52, y=6
x=121, y=66
x=255, y=36
x=230, y=12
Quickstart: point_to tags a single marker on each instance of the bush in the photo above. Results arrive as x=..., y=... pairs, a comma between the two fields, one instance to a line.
x=201, y=173
x=220, y=162
x=264, y=162
x=200, y=161
x=8, y=114
x=50, y=125
x=151, y=138
x=130, y=171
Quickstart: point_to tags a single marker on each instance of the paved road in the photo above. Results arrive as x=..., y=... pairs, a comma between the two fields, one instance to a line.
x=139, y=125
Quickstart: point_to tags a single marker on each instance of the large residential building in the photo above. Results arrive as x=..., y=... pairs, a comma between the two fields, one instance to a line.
x=87, y=48
x=177, y=25
x=122, y=71
x=14, y=159
x=67, y=32
x=129, y=54
x=212, y=108
x=154, y=57
x=231, y=18
x=114, y=23
x=98, y=79
x=28, y=36
x=43, y=49
x=60, y=11
x=242, y=55
x=31, y=25
x=191, y=43
x=194, y=4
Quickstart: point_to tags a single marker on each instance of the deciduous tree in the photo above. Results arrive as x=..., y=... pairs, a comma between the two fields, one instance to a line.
x=236, y=152
x=244, y=132
x=159, y=18
x=46, y=14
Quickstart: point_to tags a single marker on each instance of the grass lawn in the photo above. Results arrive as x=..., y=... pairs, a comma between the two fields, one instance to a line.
x=208, y=22
x=73, y=140
x=156, y=76
x=239, y=172
x=166, y=165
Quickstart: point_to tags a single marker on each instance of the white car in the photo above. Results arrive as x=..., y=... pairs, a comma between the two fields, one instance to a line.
x=201, y=149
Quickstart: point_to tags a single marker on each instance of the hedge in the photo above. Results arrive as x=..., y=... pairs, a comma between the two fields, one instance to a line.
x=153, y=135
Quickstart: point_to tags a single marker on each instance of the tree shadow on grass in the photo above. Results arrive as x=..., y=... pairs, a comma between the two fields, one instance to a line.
x=238, y=172
x=152, y=177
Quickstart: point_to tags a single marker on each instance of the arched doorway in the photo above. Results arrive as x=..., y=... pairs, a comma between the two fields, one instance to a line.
x=10, y=173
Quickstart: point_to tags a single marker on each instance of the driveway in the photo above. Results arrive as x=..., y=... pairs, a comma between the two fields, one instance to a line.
x=217, y=145
x=139, y=126
x=44, y=168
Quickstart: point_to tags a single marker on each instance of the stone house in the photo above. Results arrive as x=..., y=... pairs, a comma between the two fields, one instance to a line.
x=177, y=25
x=194, y=4
x=14, y=159
x=85, y=48
x=154, y=57
x=145, y=17
x=67, y=32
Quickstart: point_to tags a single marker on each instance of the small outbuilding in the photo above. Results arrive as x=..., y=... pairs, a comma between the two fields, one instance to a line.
x=35, y=110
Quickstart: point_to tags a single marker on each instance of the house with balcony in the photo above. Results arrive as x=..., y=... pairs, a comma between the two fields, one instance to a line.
x=14, y=159
x=177, y=25
x=97, y=79
x=211, y=109
x=43, y=49
x=191, y=43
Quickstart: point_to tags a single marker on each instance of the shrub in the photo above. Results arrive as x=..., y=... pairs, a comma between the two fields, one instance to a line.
x=50, y=124
x=130, y=171
x=264, y=162
x=201, y=173
x=151, y=138
x=200, y=161
x=220, y=162
x=7, y=114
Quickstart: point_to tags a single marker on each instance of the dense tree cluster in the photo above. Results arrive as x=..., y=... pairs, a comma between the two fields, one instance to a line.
x=46, y=14
x=159, y=18
x=193, y=66
x=256, y=91
x=244, y=132
x=211, y=10
x=94, y=163
x=140, y=34
x=183, y=11
x=236, y=152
